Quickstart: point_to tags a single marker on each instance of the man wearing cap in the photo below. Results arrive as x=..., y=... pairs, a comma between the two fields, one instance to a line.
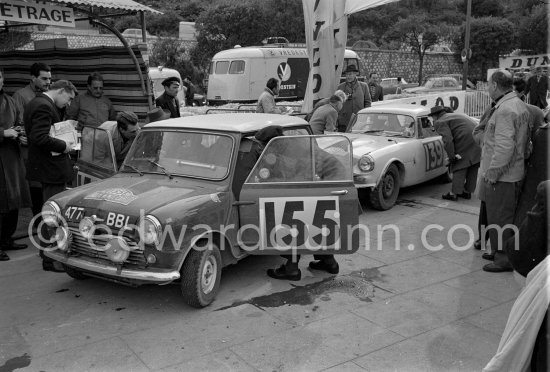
x=91, y=108
x=123, y=132
x=358, y=97
x=168, y=100
x=325, y=118
x=463, y=152
x=157, y=114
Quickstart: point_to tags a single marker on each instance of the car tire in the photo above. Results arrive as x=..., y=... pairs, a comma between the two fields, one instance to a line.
x=384, y=196
x=200, y=276
x=74, y=273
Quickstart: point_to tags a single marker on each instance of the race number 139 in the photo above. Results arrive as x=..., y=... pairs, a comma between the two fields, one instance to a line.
x=304, y=223
x=434, y=154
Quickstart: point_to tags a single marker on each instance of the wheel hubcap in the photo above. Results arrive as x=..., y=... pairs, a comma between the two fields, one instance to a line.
x=388, y=186
x=209, y=273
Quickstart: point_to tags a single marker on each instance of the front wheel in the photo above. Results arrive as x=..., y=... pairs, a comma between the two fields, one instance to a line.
x=200, y=275
x=384, y=196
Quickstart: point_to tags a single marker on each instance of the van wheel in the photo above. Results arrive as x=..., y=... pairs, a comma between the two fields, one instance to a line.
x=200, y=276
x=384, y=196
x=74, y=273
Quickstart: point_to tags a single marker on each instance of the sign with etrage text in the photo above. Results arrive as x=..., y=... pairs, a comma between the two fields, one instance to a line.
x=30, y=12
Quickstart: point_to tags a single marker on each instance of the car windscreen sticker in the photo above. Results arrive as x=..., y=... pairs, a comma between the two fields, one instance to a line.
x=119, y=196
x=311, y=223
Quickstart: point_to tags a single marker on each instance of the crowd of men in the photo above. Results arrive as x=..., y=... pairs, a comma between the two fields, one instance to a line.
x=34, y=163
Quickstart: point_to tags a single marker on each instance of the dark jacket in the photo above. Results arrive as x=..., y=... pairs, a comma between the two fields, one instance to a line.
x=376, y=92
x=166, y=102
x=14, y=192
x=40, y=114
x=537, y=91
x=358, y=98
x=456, y=130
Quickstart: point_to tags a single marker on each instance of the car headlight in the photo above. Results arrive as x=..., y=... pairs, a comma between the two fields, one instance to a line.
x=62, y=238
x=365, y=163
x=51, y=213
x=150, y=230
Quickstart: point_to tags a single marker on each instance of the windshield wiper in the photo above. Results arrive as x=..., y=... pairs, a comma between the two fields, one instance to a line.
x=374, y=131
x=161, y=168
x=133, y=168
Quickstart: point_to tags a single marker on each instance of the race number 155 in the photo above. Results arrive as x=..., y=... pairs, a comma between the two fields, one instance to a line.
x=308, y=222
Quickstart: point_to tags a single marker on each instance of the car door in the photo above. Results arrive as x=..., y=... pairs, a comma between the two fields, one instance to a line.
x=96, y=159
x=430, y=151
x=300, y=198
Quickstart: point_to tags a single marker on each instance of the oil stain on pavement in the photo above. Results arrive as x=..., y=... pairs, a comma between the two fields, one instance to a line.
x=16, y=363
x=357, y=283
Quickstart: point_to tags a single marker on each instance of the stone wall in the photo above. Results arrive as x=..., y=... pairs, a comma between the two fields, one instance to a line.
x=393, y=63
x=78, y=41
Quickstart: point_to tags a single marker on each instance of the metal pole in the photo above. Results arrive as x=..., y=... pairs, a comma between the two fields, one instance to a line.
x=143, y=29
x=467, y=45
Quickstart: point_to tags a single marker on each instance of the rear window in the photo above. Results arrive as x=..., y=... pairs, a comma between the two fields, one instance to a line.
x=237, y=67
x=222, y=67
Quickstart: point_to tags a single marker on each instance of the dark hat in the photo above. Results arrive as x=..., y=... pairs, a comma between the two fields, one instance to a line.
x=157, y=114
x=170, y=80
x=351, y=68
x=436, y=110
x=266, y=134
x=128, y=117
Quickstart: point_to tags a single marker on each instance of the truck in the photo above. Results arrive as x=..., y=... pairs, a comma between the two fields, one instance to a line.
x=240, y=74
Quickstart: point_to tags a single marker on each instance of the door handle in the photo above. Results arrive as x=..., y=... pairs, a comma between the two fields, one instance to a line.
x=339, y=192
x=243, y=202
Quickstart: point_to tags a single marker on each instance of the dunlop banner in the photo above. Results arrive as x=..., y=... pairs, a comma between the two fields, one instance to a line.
x=19, y=11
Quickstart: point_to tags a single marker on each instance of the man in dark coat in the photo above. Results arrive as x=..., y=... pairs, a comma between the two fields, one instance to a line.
x=14, y=192
x=169, y=100
x=463, y=152
x=358, y=94
x=376, y=91
x=49, y=161
x=537, y=86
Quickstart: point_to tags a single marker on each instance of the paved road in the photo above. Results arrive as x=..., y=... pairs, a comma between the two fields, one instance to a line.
x=396, y=305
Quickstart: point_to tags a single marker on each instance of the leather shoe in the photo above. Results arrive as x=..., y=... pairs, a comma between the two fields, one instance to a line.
x=4, y=256
x=13, y=246
x=465, y=195
x=281, y=273
x=488, y=256
x=477, y=244
x=54, y=266
x=323, y=266
x=449, y=196
x=492, y=268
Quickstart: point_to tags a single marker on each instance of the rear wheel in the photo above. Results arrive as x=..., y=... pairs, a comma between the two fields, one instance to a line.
x=74, y=273
x=200, y=276
x=384, y=196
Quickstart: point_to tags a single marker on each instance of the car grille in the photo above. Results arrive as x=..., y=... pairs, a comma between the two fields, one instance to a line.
x=80, y=246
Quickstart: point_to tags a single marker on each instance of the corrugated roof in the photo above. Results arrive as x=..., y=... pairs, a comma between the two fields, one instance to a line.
x=108, y=4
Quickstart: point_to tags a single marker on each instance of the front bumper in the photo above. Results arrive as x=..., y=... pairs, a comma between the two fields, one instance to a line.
x=149, y=276
x=363, y=181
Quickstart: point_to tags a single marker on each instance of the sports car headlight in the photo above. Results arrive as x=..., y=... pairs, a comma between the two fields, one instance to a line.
x=150, y=230
x=365, y=163
x=51, y=213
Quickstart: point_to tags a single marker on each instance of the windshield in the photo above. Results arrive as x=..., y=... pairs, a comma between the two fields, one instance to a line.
x=379, y=123
x=192, y=154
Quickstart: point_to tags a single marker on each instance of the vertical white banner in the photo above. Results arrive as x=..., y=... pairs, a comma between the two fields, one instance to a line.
x=326, y=35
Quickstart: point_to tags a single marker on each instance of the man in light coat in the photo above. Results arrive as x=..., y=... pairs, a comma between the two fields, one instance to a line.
x=266, y=102
x=325, y=118
x=503, y=136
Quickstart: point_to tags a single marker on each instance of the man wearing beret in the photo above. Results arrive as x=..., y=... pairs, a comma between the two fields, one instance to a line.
x=123, y=131
x=168, y=100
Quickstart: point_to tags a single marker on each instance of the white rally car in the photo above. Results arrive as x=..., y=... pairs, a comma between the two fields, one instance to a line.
x=394, y=146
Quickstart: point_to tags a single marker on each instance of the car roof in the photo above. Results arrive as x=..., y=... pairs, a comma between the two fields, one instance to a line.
x=403, y=109
x=231, y=122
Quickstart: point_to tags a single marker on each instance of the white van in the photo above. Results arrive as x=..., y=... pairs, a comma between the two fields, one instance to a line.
x=240, y=74
x=157, y=76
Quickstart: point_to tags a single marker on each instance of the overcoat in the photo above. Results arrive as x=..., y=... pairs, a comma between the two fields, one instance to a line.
x=43, y=166
x=456, y=130
x=165, y=102
x=14, y=191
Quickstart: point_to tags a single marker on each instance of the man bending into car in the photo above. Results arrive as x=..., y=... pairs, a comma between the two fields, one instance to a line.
x=123, y=132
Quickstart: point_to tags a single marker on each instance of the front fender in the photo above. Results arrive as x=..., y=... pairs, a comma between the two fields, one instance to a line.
x=400, y=167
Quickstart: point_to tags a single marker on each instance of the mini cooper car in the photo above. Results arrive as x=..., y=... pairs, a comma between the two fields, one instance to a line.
x=192, y=197
x=395, y=145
